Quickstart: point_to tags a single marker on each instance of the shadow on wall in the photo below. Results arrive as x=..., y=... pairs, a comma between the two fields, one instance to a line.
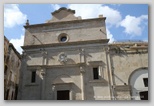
x=63, y=81
x=70, y=61
x=118, y=51
x=121, y=53
x=119, y=79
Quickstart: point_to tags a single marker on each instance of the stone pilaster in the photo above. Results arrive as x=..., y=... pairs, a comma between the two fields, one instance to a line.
x=82, y=71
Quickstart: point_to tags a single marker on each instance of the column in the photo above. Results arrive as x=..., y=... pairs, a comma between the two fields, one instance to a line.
x=53, y=92
x=100, y=72
x=82, y=56
x=43, y=72
x=71, y=95
x=82, y=71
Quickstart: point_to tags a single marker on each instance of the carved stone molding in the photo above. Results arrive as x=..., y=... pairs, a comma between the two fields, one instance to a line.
x=62, y=57
x=122, y=88
x=82, y=70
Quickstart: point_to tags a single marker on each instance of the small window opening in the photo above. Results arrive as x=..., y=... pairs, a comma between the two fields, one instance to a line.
x=5, y=70
x=143, y=95
x=145, y=80
x=95, y=73
x=33, y=78
x=63, y=39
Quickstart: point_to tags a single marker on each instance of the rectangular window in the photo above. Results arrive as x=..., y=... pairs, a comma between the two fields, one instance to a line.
x=95, y=73
x=145, y=80
x=5, y=69
x=33, y=78
x=144, y=95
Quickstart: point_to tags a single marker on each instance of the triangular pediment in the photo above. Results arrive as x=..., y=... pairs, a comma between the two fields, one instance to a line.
x=63, y=14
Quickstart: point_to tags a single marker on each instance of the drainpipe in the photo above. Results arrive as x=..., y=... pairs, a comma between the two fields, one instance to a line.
x=110, y=77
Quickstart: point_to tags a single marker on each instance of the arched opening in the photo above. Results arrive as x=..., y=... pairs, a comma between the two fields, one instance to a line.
x=139, y=84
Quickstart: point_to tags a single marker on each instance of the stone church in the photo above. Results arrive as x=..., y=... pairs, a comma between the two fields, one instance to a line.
x=69, y=58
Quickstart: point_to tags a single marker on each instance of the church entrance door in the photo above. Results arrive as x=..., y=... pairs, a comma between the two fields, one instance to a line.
x=63, y=95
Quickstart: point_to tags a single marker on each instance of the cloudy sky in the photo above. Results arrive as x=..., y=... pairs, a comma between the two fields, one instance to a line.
x=124, y=21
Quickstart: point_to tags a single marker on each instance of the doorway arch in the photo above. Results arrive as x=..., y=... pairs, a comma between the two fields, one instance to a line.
x=139, y=84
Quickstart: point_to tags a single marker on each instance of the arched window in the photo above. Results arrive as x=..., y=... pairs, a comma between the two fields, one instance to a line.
x=139, y=84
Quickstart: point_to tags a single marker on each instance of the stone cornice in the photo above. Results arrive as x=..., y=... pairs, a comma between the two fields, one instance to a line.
x=63, y=22
x=122, y=88
x=53, y=66
x=102, y=41
x=128, y=43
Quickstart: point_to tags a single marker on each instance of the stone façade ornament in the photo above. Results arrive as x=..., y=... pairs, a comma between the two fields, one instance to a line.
x=62, y=57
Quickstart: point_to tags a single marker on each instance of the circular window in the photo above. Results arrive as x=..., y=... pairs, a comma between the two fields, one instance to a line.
x=63, y=37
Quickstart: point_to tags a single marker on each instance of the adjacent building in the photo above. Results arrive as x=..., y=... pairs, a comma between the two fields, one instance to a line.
x=69, y=58
x=12, y=62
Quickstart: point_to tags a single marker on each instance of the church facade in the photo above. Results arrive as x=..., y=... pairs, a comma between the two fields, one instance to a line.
x=69, y=58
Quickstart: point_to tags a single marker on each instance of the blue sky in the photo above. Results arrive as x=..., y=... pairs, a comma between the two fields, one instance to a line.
x=124, y=21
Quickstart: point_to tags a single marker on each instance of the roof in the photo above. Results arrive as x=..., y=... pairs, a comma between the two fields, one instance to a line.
x=63, y=22
x=16, y=52
x=63, y=8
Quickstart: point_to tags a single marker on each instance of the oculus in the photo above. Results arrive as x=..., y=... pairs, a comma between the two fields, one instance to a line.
x=63, y=37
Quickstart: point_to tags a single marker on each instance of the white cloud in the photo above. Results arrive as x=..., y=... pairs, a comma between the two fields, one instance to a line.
x=23, y=29
x=55, y=6
x=109, y=36
x=145, y=40
x=13, y=16
x=18, y=43
x=94, y=10
x=134, y=25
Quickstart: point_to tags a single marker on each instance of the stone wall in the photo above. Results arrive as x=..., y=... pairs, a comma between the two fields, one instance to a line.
x=83, y=30
x=68, y=64
x=11, y=76
x=93, y=57
x=123, y=64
